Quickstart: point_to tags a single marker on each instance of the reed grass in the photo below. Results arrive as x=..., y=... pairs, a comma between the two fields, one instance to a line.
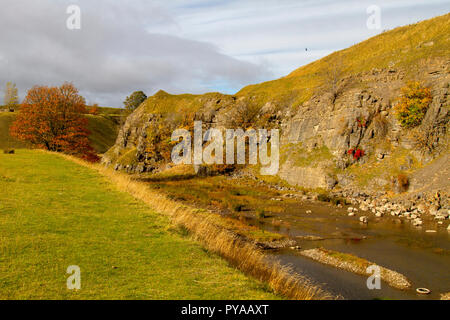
x=237, y=251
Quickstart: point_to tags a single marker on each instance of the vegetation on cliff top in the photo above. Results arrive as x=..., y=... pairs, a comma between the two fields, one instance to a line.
x=404, y=47
x=403, y=52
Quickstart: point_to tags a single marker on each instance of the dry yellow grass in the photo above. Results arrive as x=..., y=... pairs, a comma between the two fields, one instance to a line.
x=240, y=253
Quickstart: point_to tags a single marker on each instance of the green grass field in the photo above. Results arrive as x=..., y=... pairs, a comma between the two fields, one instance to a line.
x=55, y=213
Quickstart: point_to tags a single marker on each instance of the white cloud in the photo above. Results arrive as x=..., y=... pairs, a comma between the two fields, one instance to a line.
x=268, y=30
x=113, y=54
x=182, y=46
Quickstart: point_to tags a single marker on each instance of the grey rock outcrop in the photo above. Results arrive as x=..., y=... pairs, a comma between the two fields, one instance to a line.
x=320, y=131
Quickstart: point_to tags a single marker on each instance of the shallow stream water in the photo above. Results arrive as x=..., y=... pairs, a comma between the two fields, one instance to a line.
x=424, y=258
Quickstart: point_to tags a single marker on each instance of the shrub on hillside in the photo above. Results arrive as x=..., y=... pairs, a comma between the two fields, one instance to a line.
x=401, y=183
x=134, y=100
x=53, y=118
x=94, y=109
x=362, y=122
x=413, y=104
x=356, y=153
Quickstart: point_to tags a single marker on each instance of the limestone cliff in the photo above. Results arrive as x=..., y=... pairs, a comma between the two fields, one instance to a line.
x=341, y=102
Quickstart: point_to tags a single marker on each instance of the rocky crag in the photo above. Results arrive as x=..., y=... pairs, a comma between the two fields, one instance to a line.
x=343, y=102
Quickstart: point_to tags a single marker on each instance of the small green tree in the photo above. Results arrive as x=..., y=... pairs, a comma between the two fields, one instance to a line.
x=134, y=100
x=413, y=104
x=11, y=97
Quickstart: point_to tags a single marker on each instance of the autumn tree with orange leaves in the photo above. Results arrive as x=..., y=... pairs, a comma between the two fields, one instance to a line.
x=53, y=118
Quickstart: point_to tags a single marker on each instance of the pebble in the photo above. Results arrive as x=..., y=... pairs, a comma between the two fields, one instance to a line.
x=421, y=208
x=442, y=213
x=363, y=219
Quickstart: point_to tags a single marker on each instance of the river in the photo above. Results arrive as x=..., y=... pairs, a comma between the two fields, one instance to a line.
x=423, y=257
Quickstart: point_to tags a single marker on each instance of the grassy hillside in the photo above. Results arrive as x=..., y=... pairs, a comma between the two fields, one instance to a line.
x=103, y=132
x=114, y=114
x=163, y=102
x=402, y=47
x=6, y=118
x=55, y=213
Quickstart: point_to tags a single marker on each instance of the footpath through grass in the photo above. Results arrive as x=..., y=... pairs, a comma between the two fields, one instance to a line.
x=55, y=213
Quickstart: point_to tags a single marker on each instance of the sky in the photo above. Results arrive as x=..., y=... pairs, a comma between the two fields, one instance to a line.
x=182, y=46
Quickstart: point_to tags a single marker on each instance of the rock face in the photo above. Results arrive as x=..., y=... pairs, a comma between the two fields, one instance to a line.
x=131, y=137
x=133, y=148
x=349, y=137
x=321, y=123
x=304, y=177
x=315, y=137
